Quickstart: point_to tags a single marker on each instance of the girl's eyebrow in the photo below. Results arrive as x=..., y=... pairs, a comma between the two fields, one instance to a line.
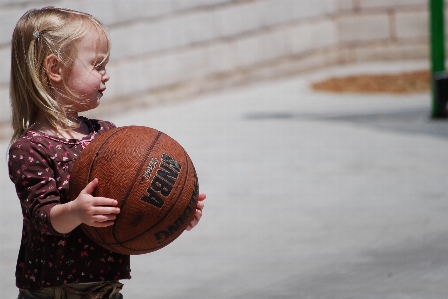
x=100, y=59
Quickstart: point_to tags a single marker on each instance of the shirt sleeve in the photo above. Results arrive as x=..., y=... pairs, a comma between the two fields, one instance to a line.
x=104, y=126
x=31, y=172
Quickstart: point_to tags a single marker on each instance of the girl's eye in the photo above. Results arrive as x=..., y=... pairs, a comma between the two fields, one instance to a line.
x=100, y=67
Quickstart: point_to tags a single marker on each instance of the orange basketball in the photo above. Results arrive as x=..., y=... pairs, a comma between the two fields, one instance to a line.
x=152, y=178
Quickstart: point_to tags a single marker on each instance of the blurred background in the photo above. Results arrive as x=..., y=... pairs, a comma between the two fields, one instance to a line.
x=165, y=50
x=312, y=191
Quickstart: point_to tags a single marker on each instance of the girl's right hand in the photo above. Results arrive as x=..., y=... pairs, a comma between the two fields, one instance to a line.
x=94, y=211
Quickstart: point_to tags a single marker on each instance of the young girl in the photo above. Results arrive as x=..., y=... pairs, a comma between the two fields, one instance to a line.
x=58, y=70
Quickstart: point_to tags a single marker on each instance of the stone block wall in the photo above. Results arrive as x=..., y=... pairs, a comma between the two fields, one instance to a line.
x=163, y=50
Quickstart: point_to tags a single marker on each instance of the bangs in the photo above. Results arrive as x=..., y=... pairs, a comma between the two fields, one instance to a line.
x=80, y=27
x=103, y=42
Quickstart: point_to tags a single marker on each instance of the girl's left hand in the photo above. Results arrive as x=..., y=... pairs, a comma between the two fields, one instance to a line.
x=198, y=213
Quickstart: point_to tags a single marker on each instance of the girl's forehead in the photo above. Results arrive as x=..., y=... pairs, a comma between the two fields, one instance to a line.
x=95, y=41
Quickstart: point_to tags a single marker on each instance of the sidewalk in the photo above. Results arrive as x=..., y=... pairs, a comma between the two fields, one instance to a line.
x=309, y=195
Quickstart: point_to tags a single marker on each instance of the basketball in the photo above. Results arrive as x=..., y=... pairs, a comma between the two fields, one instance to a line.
x=152, y=178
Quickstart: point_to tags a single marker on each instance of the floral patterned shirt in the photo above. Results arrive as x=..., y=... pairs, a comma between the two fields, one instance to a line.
x=39, y=166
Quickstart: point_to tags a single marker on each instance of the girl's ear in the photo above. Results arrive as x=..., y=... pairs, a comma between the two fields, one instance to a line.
x=53, y=68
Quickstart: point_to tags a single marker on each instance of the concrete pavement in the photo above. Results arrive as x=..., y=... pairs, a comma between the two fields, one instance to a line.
x=309, y=195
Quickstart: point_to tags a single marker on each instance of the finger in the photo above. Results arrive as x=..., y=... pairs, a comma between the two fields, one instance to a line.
x=202, y=196
x=191, y=226
x=102, y=224
x=195, y=220
x=198, y=215
x=90, y=186
x=104, y=201
x=104, y=218
x=106, y=211
x=101, y=220
x=200, y=205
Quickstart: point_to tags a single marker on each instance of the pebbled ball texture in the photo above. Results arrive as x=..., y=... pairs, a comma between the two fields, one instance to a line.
x=152, y=178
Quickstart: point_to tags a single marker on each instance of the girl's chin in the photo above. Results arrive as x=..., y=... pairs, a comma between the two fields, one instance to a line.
x=89, y=106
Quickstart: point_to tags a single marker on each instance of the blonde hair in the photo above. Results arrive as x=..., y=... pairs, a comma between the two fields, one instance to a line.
x=38, y=34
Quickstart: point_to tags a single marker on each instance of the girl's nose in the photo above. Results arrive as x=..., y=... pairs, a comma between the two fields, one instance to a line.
x=105, y=77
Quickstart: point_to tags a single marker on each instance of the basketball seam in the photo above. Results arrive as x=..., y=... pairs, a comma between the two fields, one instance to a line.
x=132, y=187
x=115, y=242
x=90, y=173
x=163, y=216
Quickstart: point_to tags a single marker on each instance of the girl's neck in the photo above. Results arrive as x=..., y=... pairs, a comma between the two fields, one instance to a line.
x=43, y=125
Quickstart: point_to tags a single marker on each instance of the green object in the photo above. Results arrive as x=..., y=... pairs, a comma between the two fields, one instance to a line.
x=437, y=36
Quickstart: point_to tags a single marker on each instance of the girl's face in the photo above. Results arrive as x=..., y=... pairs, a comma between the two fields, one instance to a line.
x=87, y=77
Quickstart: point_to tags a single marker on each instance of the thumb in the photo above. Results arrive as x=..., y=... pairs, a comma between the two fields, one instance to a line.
x=90, y=186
